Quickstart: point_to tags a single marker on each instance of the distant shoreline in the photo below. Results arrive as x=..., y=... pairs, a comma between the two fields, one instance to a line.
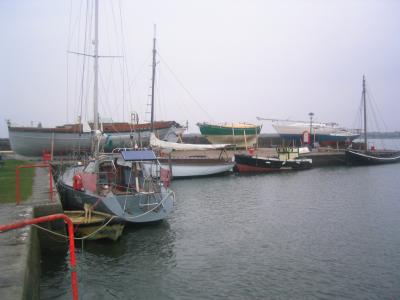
x=198, y=138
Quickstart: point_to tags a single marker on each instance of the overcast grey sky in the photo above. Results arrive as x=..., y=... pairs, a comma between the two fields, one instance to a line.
x=234, y=60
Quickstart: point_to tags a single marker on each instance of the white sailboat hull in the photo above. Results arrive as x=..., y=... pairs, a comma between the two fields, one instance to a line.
x=321, y=132
x=198, y=169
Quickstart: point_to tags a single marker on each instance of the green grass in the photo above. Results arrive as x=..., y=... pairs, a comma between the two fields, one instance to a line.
x=7, y=181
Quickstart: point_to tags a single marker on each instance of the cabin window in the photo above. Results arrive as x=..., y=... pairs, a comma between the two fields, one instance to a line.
x=106, y=173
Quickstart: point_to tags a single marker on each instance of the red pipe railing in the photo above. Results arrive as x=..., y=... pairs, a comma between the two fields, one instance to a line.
x=17, y=182
x=74, y=277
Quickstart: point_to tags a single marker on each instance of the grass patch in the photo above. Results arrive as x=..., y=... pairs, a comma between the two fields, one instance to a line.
x=7, y=181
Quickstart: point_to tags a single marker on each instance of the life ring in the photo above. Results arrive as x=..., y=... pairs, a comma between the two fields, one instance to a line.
x=77, y=182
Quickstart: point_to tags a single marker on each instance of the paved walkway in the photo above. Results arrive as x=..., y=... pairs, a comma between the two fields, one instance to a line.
x=15, y=245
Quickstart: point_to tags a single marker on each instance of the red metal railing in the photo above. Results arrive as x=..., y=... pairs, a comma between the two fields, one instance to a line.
x=17, y=182
x=74, y=277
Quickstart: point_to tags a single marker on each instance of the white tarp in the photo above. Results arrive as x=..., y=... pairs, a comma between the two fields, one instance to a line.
x=155, y=142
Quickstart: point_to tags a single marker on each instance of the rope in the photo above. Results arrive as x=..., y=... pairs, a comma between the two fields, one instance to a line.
x=154, y=208
x=76, y=238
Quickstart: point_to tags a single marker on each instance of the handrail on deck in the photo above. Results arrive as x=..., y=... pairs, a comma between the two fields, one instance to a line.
x=17, y=182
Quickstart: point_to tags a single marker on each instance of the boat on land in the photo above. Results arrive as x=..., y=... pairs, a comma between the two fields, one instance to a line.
x=95, y=225
x=366, y=155
x=242, y=135
x=192, y=166
x=287, y=160
x=74, y=138
x=326, y=134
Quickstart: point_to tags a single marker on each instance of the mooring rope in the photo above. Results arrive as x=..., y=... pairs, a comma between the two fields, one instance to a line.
x=76, y=238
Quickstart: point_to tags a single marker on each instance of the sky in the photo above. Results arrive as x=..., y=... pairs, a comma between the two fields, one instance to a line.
x=219, y=61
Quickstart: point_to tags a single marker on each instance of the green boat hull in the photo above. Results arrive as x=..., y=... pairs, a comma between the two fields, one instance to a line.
x=241, y=136
x=210, y=129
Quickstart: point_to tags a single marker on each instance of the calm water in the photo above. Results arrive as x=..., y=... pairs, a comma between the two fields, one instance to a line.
x=326, y=233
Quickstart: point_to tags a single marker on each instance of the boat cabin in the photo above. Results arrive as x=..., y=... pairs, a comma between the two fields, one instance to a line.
x=121, y=173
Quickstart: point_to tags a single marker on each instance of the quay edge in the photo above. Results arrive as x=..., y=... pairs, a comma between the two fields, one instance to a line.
x=21, y=249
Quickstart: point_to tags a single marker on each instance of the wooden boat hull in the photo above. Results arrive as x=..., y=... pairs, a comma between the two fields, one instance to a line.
x=33, y=141
x=356, y=157
x=242, y=135
x=96, y=226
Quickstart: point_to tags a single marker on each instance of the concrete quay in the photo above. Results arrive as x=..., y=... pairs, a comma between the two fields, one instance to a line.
x=20, y=249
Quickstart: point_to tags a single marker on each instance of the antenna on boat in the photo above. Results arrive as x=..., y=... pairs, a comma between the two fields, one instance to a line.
x=153, y=79
x=311, y=114
x=365, y=114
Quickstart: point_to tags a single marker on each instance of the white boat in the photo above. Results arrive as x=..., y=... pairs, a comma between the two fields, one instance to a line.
x=192, y=166
x=324, y=133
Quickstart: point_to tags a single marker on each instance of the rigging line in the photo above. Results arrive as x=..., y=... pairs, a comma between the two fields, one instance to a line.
x=375, y=107
x=182, y=106
x=122, y=78
x=121, y=64
x=67, y=60
x=187, y=91
x=112, y=76
x=139, y=72
x=125, y=61
x=76, y=85
x=84, y=59
x=105, y=104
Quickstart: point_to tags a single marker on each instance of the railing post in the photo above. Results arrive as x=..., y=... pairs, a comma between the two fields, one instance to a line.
x=17, y=187
x=51, y=184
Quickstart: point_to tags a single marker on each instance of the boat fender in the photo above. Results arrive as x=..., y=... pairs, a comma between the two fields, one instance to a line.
x=77, y=183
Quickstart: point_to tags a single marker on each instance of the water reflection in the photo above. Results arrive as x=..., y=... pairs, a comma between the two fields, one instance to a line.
x=109, y=269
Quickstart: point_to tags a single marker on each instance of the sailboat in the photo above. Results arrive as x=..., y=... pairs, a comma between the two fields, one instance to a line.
x=192, y=166
x=116, y=183
x=366, y=155
x=32, y=141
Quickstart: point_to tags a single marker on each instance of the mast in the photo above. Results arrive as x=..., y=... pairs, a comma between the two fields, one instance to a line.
x=365, y=115
x=153, y=79
x=96, y=78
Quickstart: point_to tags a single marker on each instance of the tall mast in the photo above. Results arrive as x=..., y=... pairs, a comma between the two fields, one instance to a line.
x=96, y=78
x=365, y=114
x=153, y=79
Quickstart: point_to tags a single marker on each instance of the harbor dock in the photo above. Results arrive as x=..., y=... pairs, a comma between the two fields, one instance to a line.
x=20, y=249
